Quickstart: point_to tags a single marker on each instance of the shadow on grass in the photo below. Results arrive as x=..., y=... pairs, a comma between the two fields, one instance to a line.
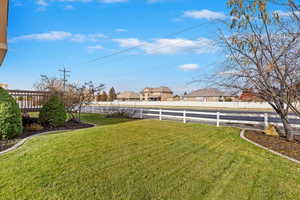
x=101, y=120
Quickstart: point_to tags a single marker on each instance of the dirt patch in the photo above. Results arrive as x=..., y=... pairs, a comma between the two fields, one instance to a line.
x=5, y=144
x=278, y=144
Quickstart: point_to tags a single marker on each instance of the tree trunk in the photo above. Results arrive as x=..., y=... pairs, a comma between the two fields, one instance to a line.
x=287, y=128
x=79, y=113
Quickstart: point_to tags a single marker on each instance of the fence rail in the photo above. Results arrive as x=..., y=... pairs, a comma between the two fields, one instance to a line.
x=213, y=117
x=235, y=105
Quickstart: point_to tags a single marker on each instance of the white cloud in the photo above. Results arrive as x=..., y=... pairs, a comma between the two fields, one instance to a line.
x=170, y=46
x=42, y=3
x=69, y=7
x=87, y=38
x=204, y=14
x=120, y=30
x=156, y=1
x=113, y=1
x=95, y=47
x=53, y=35
x=128, y=42
x=45, y=3
x=188, y=67
x=17, y=3
x=60, y=35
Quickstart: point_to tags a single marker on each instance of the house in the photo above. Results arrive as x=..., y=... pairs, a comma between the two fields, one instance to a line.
x=249, y=96
x=209, y=95
x=3, y=29
x=4, y=86
x=128, y=96
x=156, y=94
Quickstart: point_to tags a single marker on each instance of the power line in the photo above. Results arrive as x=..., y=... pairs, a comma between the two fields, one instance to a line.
x=140, y=45
x=65, y=76
x=152, y=49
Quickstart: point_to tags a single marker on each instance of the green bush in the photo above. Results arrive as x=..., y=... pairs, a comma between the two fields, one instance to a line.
x=10, y=116
x=228, y=99
x=53, y=113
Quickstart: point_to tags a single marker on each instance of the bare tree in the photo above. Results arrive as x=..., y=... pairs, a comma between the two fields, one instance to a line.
x=263, y=54
x=51, y=84
x=74, y=96
x=85, y=94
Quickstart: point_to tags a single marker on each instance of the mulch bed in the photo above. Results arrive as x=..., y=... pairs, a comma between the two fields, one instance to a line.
x=5, y=144
x=278, y=144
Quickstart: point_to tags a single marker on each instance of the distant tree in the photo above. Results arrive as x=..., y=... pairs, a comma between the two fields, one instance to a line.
x=112, y=95
x=104, y=96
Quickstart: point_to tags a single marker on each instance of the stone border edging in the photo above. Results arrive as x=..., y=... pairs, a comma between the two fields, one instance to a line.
x=21, y=142
x=242, y=135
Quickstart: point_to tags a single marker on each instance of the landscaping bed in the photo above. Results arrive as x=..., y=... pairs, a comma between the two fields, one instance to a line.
x=278, y=144
x=70, y=125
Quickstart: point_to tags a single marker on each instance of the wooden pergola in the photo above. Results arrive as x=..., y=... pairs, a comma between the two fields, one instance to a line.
x=3, y=29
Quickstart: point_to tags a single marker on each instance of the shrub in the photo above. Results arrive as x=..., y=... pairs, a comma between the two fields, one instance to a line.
x=53, y=113
x=228, y=99
x=121, y=113
x=27, y=120
x=10, y=116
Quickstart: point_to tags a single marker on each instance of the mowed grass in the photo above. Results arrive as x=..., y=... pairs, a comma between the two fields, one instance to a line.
x=146, y=159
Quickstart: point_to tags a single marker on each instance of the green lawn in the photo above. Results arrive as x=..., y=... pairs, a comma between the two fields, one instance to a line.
x=146, y=159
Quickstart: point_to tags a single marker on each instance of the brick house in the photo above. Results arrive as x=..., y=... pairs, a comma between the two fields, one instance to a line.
x=156, y=94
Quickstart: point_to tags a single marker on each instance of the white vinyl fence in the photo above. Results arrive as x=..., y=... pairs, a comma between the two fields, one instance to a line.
x=235, y=105
x=217, y=117
x=213, y=117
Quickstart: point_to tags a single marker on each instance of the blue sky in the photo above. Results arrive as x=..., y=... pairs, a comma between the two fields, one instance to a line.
x=46, y=35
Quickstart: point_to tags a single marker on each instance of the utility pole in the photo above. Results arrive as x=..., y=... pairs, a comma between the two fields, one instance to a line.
x=65, y=76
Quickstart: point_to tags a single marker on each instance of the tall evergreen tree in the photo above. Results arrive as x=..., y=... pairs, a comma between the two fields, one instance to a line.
x=112, y=95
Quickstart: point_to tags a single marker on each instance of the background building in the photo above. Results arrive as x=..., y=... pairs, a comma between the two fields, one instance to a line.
x=128, y=96
x=3, y=29
x=156, y=94
x=209, y=95
x=2, y=85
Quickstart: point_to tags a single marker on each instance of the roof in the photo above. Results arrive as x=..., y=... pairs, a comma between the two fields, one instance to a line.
x=160, y=89
x=208, y=92
x=128, y=95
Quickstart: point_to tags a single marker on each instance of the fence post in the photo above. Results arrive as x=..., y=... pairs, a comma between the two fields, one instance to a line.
x=141, y=113
x=266, y=120
x=218, y=119
x=184, y=116
x=160, y=114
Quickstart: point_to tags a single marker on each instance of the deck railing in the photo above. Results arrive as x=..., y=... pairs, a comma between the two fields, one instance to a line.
x=30, y=101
